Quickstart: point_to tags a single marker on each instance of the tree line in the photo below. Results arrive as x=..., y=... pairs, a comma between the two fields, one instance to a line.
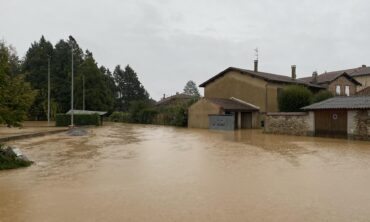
x=24, y=82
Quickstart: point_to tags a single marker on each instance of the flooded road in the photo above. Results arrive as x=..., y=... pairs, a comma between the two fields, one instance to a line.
x=152, y=173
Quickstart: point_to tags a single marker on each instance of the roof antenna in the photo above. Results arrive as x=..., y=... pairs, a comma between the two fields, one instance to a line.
x=256, y=53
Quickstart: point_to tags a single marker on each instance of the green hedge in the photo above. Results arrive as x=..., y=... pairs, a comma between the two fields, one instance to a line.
x=78, y=119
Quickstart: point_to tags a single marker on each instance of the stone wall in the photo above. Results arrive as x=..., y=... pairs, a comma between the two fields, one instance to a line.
x=299, y=124
x=359, y=124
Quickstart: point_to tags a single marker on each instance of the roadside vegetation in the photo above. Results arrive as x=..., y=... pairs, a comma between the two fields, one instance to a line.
x=294, y=97
x=148, y=113
x=8, y=160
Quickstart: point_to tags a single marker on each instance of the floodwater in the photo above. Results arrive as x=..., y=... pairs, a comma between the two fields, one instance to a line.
x=126, y=172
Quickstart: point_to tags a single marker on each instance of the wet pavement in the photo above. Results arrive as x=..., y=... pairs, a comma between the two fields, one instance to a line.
x=126, y=172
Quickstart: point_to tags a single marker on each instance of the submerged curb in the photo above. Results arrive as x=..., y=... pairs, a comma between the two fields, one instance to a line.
x=30, y=135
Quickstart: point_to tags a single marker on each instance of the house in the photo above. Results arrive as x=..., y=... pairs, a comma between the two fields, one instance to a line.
x=178, y=99
x=346, y=117
x=253, y=87
x=338, y=83
x=360, y=74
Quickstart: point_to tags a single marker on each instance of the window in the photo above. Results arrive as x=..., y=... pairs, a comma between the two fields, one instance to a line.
x=347, y=90
x=337, y=90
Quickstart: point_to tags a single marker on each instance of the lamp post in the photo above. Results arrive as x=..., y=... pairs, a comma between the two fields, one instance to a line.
x=72, y=110
x=83, y=92
x=49, y=90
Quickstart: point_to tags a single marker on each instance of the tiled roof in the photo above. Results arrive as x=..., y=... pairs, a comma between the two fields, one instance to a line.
x=328, y=77
x=262, y=75
x=352, y=102
x=233, y=104
x=86, y=112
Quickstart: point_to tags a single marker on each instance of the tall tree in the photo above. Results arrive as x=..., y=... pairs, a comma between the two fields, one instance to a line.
x=97, y=94
x=129, y=88
x=191, y=89
x=16, y=95
x=35, y=66
x=111, y=85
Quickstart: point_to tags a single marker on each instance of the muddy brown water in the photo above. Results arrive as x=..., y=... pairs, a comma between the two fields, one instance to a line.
x=125, y=172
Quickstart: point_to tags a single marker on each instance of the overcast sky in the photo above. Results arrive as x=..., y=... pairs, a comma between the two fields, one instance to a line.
x=169, y=42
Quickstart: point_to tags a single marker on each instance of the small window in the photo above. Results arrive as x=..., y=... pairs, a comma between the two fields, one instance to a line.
x=347, y=90
x=337, y=90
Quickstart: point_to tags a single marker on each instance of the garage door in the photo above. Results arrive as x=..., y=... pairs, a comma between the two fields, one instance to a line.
x=331, y=123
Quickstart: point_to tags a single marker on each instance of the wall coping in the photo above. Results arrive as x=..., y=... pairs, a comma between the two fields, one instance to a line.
x=287, y=114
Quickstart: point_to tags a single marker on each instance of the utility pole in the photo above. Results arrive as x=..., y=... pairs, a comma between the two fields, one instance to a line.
x=49, y=90
x=83, y=92
x=72, y=110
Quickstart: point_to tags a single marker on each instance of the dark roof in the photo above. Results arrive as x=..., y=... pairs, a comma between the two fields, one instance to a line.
x=364, y=92
x=350, y=102
x=328, y=77
x=233, y=104
x=180, y=96
x=359, y=71
x=262, y=75
x=86, y=112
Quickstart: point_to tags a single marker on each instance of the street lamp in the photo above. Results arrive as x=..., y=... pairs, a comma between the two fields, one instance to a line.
x=49, y=90
x=72, y=111
x=83, y=92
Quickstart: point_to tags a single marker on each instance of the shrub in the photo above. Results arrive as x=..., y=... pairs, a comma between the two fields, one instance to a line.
x=78, y=119
x=11, y=161
x=293, y=98
x=147, y=116
x=322, y=95
x=120, y=117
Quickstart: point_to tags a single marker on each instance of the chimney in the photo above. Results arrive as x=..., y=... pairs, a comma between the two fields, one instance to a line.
x=363, y=66
x=164, y=96
x=314, y=77
x=294, y=75
x=256, y=65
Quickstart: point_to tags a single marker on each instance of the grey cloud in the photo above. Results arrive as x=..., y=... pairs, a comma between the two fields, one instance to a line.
x=170, y=42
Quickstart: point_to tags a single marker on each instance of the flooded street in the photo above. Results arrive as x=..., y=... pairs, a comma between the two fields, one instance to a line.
x=125, y=172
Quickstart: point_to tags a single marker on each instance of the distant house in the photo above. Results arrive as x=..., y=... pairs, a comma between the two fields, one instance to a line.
x=338, y=83
x=259, y=89
x=360, y=74
x=178, y=99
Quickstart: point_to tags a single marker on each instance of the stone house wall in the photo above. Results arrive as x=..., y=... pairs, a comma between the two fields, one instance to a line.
x=359, y=124
x=343, y=82
x=299, y=124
